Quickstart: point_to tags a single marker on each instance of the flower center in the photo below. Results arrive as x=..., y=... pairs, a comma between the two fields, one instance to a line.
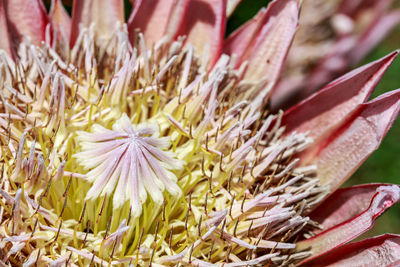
x=175, y=160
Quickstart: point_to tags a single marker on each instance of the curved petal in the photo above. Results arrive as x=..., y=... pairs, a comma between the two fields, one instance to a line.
x=239, y=41
x=155, y=18
x=338, y=155
x=338, y=235
x=344, y=204
x=231, y=5
x=268, y=51
x=105, y=14
x=326, y=109
x=60, y=20
x=204, y=25
x=26, y=18
x=377, y=251
x=5, y=39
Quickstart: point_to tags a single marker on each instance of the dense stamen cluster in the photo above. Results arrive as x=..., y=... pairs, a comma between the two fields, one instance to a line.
x=135, y=155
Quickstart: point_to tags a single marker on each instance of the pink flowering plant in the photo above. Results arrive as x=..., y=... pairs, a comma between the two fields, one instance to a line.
x=151, y=141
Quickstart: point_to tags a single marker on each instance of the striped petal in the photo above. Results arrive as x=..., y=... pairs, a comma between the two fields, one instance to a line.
x=344, y=204
x=5, y=38
x=204, y=25
x=322, y=112
x=155, y=18
x=26, y=18
x=105, y=14
x=60, y=20
x=268, y=51
x=338, y=155
x=240, y=40
x=384, y=197
x=376, y=251
x=130, y=161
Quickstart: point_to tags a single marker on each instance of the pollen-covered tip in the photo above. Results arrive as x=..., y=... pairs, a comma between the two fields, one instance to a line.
x=129, y=161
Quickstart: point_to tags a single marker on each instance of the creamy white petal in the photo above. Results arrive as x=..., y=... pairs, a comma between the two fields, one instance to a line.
x=130, y=161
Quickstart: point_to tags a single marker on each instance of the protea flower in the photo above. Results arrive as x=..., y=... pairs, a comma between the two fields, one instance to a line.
x=151, y=143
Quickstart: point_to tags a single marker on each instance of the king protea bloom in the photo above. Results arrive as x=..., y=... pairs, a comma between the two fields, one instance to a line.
x=150, y=142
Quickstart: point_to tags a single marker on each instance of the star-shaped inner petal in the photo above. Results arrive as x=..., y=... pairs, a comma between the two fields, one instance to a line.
x=130, y=161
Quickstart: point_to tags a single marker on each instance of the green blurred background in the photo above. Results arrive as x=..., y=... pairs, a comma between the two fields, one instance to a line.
x=384, y=164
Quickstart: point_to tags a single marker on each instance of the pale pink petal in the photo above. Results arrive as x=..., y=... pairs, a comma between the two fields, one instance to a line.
x=5, y=42
x=155, y=18
x=115, y=176
x=98, y=155
x=204, y=25
x=334, y=237
x=161, y=174
x=105, y=14
x=60, y=20
x=231, y=5
x=337, y=156
x=326, y=109
x=162, y=156
x=141, y=190
x=379, y=251
x=268, y=51
x=124, y=125
x=239, y=41
x=26, y=18
x=148, y=177
x=162, y=142
x=344, y=204
x=128, y=177
x=100, y=174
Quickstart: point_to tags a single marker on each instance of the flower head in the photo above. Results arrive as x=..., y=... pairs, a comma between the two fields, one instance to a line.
x=147, y=145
